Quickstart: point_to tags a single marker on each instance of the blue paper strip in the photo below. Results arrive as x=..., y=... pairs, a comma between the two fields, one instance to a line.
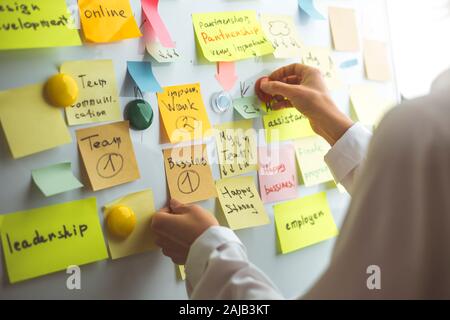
x=308, y=7
x=349, y=63
x=142, y=74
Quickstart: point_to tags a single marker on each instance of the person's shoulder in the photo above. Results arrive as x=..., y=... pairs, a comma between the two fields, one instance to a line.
x=429, y=109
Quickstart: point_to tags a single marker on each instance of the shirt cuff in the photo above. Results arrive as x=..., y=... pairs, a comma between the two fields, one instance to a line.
x=201, y=250
x=348, y=152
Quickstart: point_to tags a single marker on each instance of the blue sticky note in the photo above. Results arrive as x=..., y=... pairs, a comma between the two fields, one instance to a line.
x=142, y=74
x=348, y=63
x=308, y=7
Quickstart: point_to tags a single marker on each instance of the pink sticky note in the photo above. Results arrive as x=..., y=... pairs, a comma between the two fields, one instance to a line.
x=277, y=173
x=150, y=9
x=149, y=33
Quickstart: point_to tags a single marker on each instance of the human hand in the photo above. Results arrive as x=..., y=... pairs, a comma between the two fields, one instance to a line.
x=303, y=87
x=177, y=226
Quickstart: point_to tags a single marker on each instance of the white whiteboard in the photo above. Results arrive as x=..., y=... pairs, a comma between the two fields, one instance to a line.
x=151, y=275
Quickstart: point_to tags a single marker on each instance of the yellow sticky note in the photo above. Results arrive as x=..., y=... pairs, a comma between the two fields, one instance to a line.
x=108, y=154
x=30, y=124
x=49, y=239
x=236, y=148
x=320, y=58
x=282, y=32
x=141, y=238
x=343, y=29
x=376, y=60
x=303, y=222
x=188, y=173
x=181, y=272
x=241, y=203
x=107, y=20
x=230, y=36
x=368, y=106
x=286, y=124
x=36, y=24
x=97, y=100
x=183, y=112
x=310, y=156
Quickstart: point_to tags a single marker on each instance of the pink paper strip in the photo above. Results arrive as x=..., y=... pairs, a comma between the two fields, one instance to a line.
x=150, y=9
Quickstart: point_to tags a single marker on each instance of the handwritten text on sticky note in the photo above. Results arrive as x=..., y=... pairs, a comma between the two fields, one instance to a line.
x=183, y=112
x=281, y=31
x=189, y=174
x=236, y=147
x=286, y=124
x=241, y=203
x=248, y=107
x=303, y=222
x=320, y=58
x=277, y=173
x=310, y=156
x=229, y=36
x=107, y=20
x=97, y=100
x=36, y=24
x=108, y=154
x=48, y=239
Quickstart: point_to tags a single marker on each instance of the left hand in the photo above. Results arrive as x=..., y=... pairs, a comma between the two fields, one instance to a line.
x=177, y=226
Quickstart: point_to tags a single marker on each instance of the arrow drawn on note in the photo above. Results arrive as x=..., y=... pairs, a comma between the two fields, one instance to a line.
x=226, y=75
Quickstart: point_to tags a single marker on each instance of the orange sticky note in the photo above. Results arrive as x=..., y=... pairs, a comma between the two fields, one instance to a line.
x=107, y=20
x=343, y=29
x=376, y=60
x=183, y=112
x=108, y=154
x=188, y=173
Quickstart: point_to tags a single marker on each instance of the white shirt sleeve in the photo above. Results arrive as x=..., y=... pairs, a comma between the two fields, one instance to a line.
x=217, y=265
x=346, y=157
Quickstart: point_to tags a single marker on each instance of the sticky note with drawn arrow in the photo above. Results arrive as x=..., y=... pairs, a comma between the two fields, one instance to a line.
x=142, y=74
x=226, y=74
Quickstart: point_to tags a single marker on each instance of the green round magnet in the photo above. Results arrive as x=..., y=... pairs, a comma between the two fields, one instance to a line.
x=139, y=113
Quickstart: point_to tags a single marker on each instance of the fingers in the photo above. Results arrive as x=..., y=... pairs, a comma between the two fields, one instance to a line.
x=275, y=88
x=295, y=69
x=164, y=223
x=179, y=207
x=281, y=104
x=173, y=250
x=292, y=80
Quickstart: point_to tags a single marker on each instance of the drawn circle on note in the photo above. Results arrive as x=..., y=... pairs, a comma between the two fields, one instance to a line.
x=186, y=123
x=109, y=165
x=188, y=181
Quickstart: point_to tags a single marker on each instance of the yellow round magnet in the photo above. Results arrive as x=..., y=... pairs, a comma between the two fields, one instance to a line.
x=61, y=90
x=120, y=221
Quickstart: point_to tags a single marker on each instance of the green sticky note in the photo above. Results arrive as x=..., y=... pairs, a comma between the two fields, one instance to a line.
x=49, y=239
x=247, y=107
x=303, y=222
x=36, y=24
x=54, y=179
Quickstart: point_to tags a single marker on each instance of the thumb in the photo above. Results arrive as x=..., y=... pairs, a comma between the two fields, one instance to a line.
x=177, y=206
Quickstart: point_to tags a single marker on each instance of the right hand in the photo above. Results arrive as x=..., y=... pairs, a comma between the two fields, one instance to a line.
x=177, y=226
x=303, y=87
